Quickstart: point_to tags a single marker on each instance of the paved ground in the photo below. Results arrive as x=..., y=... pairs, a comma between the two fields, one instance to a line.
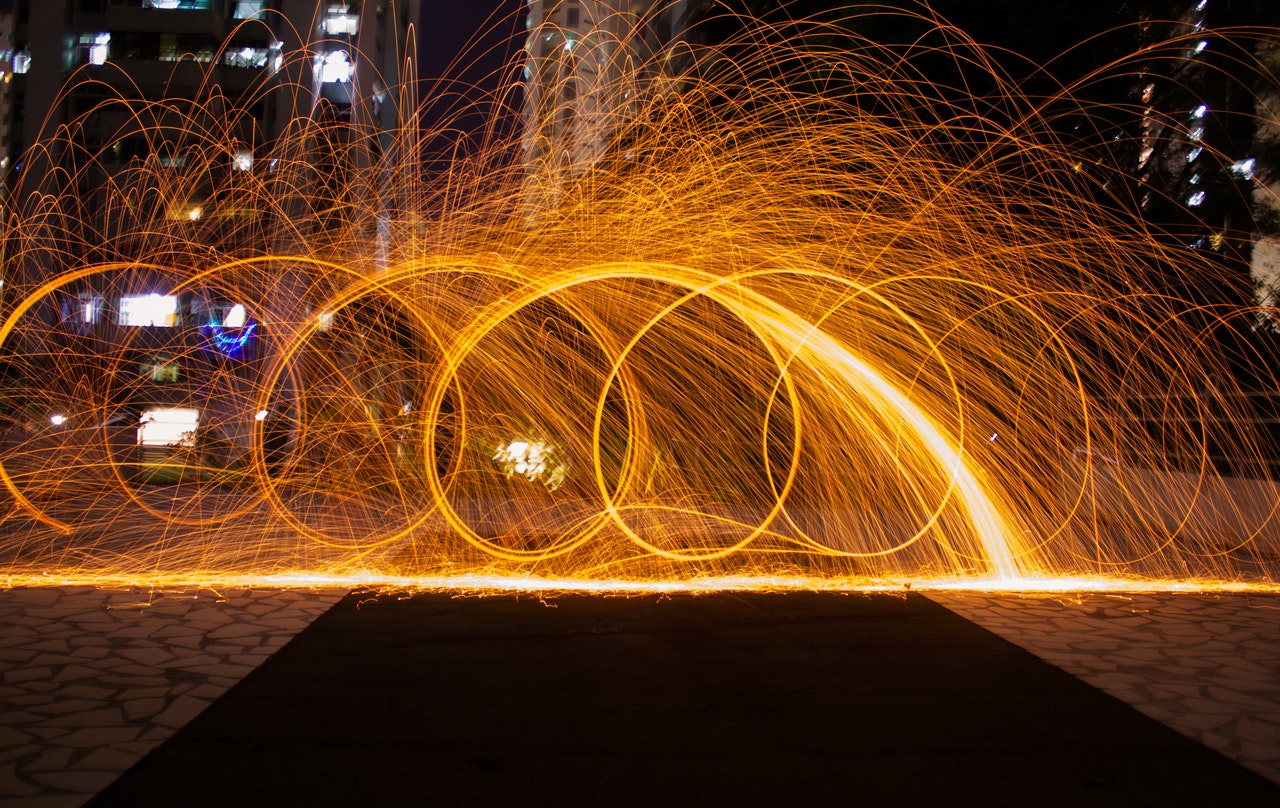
x=692, y=700
x=92, y=680
x=1207, y=665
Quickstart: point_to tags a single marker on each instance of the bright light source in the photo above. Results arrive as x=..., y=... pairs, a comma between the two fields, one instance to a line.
x=1196, y=199
x=98, y=50
x=1200, y=111
x=1201, y=45
x=57, y=420
x=339, y=21
x=149, y=310
x=236, y=317
x=1243, y=169
x=168, y=426
x=261, y=415
x=536, y=460
x=334, y=66
x=242, y=161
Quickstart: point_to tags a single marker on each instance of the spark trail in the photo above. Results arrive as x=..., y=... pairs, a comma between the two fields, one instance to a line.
x=792, y=333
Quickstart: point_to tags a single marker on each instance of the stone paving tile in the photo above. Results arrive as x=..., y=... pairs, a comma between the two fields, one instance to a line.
x=1207, y=665
x=94, y=679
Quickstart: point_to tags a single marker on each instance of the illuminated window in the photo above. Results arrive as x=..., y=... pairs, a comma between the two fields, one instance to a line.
x=149, y=310
x=235, y=317
x=196, y=5
x=161, y=368
x=247, y=57
x=250, y=10
x=1194, y=153
x=1243, y=169
x=169, y=48
x=1201, y=45
x=339, y=21
x=242, y=160
x=168, y=426
x=21, y=61
x=196, y=47
x=334, y=66
x=93, y=48
x=1196, y=199
x=90, y=306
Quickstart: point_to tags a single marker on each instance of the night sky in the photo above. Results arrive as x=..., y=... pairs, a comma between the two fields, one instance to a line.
x=449, y=27
x=467, y=44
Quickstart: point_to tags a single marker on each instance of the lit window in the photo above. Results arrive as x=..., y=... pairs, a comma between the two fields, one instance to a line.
x=21, y=62
x=1148, y=92
x=1197, y=134
x=168, y=47
x=334, y=66
x=1199, y=112
x=339, y=21
x=1196, y=199
x=94, y=48
x=1243, y=169
x=1195, y=179
x=1200, y=6
x=149, y=310
x=247, y=57
x=242, y=160
x=1194, y=153
x=90, y=307
x=1201, y=45
x=236, y=317
x=168, y=426
x=161, y=369
x=250, y=10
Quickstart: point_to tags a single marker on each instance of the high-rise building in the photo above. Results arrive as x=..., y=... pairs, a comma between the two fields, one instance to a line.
x=143, y=82
x=147, y=140
x=590, y=65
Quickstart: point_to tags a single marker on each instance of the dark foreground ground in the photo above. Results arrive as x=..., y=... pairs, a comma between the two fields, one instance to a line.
x=727, y=699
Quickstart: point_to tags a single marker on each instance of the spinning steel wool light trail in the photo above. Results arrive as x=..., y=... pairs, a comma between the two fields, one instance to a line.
x=810, y=318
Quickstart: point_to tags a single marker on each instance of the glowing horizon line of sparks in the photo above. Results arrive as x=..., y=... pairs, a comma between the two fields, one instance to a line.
x=790, y=334
x=482, y=584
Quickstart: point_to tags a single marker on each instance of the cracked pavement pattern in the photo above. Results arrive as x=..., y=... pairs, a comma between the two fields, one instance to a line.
x=1205, y=664
x=91, y=680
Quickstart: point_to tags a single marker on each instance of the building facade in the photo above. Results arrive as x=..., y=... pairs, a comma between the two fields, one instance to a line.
x=591, y=65
x=168, y=136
